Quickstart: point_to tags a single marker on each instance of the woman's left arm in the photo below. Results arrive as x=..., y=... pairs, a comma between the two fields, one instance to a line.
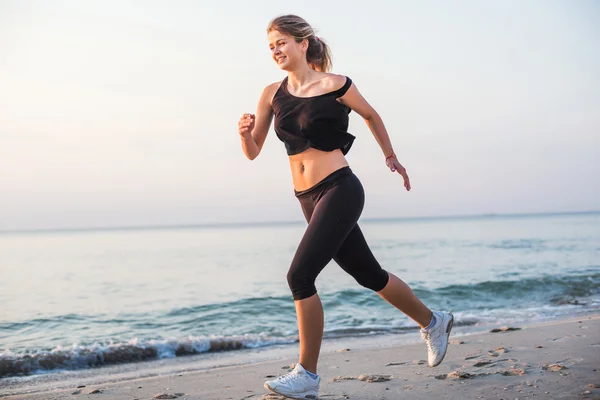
x=353, y=99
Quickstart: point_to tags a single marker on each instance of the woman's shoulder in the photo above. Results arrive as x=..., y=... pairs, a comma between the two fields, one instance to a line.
x=332, y=82
x=336, y=84
x=270, y=90
x=272, y=87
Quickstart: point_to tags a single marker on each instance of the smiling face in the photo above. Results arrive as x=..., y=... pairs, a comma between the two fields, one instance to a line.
x=286, y=52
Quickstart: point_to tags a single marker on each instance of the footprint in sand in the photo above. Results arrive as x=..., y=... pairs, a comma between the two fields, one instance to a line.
x=393, y=364
x=364, y=377
x=168, y=395
x=491, y=353
x=489, y=363
x=273, y=396
x=554, y=367
x=568, y=337
x=497, y=352
x=512, y=371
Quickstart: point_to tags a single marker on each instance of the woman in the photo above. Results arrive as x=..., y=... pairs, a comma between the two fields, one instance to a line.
x=311, y=108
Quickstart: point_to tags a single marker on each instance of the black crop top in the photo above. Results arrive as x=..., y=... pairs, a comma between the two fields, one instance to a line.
x=319, y=121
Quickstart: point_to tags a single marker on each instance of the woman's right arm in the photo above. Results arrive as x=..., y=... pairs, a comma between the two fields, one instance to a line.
x=252, y=128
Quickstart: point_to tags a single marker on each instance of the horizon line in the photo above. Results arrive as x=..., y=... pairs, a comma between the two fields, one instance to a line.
x=288, y=222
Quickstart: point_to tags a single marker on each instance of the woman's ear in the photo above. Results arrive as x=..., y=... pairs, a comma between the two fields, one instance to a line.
x=304, y=45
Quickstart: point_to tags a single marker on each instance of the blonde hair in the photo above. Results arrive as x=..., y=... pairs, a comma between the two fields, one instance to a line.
x=318, y=54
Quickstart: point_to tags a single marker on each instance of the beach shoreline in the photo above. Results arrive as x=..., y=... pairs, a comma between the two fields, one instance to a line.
x=549, y=360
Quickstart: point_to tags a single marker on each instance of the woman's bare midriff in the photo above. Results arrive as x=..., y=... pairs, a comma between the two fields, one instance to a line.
x=312, y=166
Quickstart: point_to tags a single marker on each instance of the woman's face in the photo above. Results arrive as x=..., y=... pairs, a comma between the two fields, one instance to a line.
x=286, y=52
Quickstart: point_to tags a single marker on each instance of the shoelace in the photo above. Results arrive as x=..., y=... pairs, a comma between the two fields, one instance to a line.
x=430, y=343
x=289, y=377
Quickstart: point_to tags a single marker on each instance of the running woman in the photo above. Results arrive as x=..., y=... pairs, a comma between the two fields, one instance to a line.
x=310, y=108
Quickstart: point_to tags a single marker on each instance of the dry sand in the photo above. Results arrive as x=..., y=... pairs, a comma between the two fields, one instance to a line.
x=557, y=360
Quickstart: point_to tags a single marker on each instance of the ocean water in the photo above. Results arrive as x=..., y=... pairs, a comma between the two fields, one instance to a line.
x=76, y=300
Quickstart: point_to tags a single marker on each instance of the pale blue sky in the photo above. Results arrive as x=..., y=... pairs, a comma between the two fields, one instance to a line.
x=121, y=113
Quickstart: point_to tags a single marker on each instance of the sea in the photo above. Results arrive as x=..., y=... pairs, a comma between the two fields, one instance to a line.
x=83, y=305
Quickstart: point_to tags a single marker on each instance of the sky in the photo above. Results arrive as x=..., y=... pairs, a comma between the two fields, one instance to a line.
x=124, y=113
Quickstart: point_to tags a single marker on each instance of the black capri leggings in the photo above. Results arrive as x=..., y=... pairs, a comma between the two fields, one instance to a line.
x=332, y=208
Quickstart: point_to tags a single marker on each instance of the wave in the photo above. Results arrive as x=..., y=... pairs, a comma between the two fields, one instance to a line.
x=270, y=321
x=97, y=354
x=533, y=244
x=544, y=289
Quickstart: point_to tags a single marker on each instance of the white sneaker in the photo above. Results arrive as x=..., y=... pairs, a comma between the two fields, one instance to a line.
x=437, y=337
x=296, y=384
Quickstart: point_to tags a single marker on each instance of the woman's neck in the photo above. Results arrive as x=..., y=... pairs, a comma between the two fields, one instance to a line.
x=300, y=77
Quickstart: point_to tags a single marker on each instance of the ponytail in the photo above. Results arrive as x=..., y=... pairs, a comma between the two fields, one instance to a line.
x=318, y=54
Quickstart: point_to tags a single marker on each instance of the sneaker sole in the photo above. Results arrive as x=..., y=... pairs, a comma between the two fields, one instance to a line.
x=449, y=329
x=305, y=397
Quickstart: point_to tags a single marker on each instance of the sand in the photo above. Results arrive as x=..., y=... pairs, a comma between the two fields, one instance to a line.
x=554, y=360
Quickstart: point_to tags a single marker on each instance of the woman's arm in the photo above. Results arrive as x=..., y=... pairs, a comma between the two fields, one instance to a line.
x=252, y=128
x=353, y=99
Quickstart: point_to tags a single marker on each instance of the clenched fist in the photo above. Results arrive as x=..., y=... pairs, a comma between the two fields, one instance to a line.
x=246, y=124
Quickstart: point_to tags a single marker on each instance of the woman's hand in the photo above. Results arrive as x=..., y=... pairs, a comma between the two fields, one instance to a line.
x=246, y=125
x=394, y=165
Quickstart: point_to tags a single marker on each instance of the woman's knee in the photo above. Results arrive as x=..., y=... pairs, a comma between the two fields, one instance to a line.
x=375, y=281
x=301, y=283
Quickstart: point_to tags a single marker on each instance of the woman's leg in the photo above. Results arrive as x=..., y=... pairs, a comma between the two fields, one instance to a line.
x=309, y=313
x=334, y=216
x=401, y=296
x=356, y=258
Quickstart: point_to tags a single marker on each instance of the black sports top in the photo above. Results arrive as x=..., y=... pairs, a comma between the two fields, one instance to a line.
x=319, y=121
